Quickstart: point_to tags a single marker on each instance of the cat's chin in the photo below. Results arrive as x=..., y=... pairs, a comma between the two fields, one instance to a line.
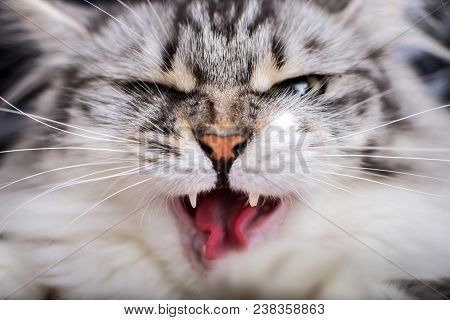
x=221, y=221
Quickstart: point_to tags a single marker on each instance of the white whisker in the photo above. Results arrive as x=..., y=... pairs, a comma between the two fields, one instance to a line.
x=50, y=126
x=379, y=148
x=380, y=157
x=102, y=201
x=334, y=186
x=115, y=19
x=376, y=96
x=29, y=115
x=388, y=123
x=77, y=249
x=62, y=148
x=387, y=171
x=386, y=184
x=59, y=40
x=61, y=169
x=58, y=187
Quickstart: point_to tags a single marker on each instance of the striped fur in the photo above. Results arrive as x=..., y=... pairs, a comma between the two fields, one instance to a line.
x=160, y=73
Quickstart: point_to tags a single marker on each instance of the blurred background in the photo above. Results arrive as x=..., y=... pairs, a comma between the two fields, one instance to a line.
x=15, y=61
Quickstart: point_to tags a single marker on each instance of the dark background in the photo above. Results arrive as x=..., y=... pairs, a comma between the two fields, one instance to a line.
x=435, y=71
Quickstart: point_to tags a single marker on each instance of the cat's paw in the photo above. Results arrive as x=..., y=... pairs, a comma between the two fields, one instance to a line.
x=293, y=272
x=15, y=276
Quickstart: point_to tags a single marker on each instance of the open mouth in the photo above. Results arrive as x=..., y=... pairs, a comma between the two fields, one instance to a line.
x=222, y=220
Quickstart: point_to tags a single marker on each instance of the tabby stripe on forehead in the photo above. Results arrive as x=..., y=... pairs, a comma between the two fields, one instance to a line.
x=227, y=24
x=170, y=48
x=266, y=11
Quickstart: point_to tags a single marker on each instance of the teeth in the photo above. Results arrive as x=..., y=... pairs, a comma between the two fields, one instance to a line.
x=204, y=250
x=193, y=199
x=253, y=199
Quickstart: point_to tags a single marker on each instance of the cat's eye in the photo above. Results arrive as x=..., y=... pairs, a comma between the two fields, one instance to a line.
x=145, y=87
x=304, y=85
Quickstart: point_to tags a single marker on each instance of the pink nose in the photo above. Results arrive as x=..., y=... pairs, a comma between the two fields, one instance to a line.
x=221, y=147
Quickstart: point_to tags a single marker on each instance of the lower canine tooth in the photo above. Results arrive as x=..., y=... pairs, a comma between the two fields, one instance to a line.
x=193, y=199
x=253, y=199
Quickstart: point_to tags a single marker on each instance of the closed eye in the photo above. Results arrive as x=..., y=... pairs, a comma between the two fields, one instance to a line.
x=312, y=85
x=145, y=87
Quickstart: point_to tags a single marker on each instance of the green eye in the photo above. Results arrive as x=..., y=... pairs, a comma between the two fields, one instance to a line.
x=304, y=85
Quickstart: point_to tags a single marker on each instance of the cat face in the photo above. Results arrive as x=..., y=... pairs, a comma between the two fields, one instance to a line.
x=234, y=103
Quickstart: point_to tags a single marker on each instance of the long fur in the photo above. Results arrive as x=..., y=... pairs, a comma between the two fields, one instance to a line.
x=355, y=227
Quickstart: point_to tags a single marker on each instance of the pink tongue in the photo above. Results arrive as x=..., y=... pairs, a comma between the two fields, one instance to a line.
x=225, y=227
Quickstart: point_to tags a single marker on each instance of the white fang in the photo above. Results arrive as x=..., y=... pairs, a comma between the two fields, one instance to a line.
x=193, y=199
x=253, y=199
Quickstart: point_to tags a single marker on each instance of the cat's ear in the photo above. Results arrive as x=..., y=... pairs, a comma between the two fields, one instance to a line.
x=54, y=25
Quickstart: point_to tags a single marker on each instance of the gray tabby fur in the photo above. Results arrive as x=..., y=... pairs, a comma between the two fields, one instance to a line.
x=342, y=237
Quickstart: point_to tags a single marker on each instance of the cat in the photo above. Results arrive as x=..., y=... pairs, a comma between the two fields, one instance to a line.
x=224, y=149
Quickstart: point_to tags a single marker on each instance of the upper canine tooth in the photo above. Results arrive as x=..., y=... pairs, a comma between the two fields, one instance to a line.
x=253, y=199
x=193, y=199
